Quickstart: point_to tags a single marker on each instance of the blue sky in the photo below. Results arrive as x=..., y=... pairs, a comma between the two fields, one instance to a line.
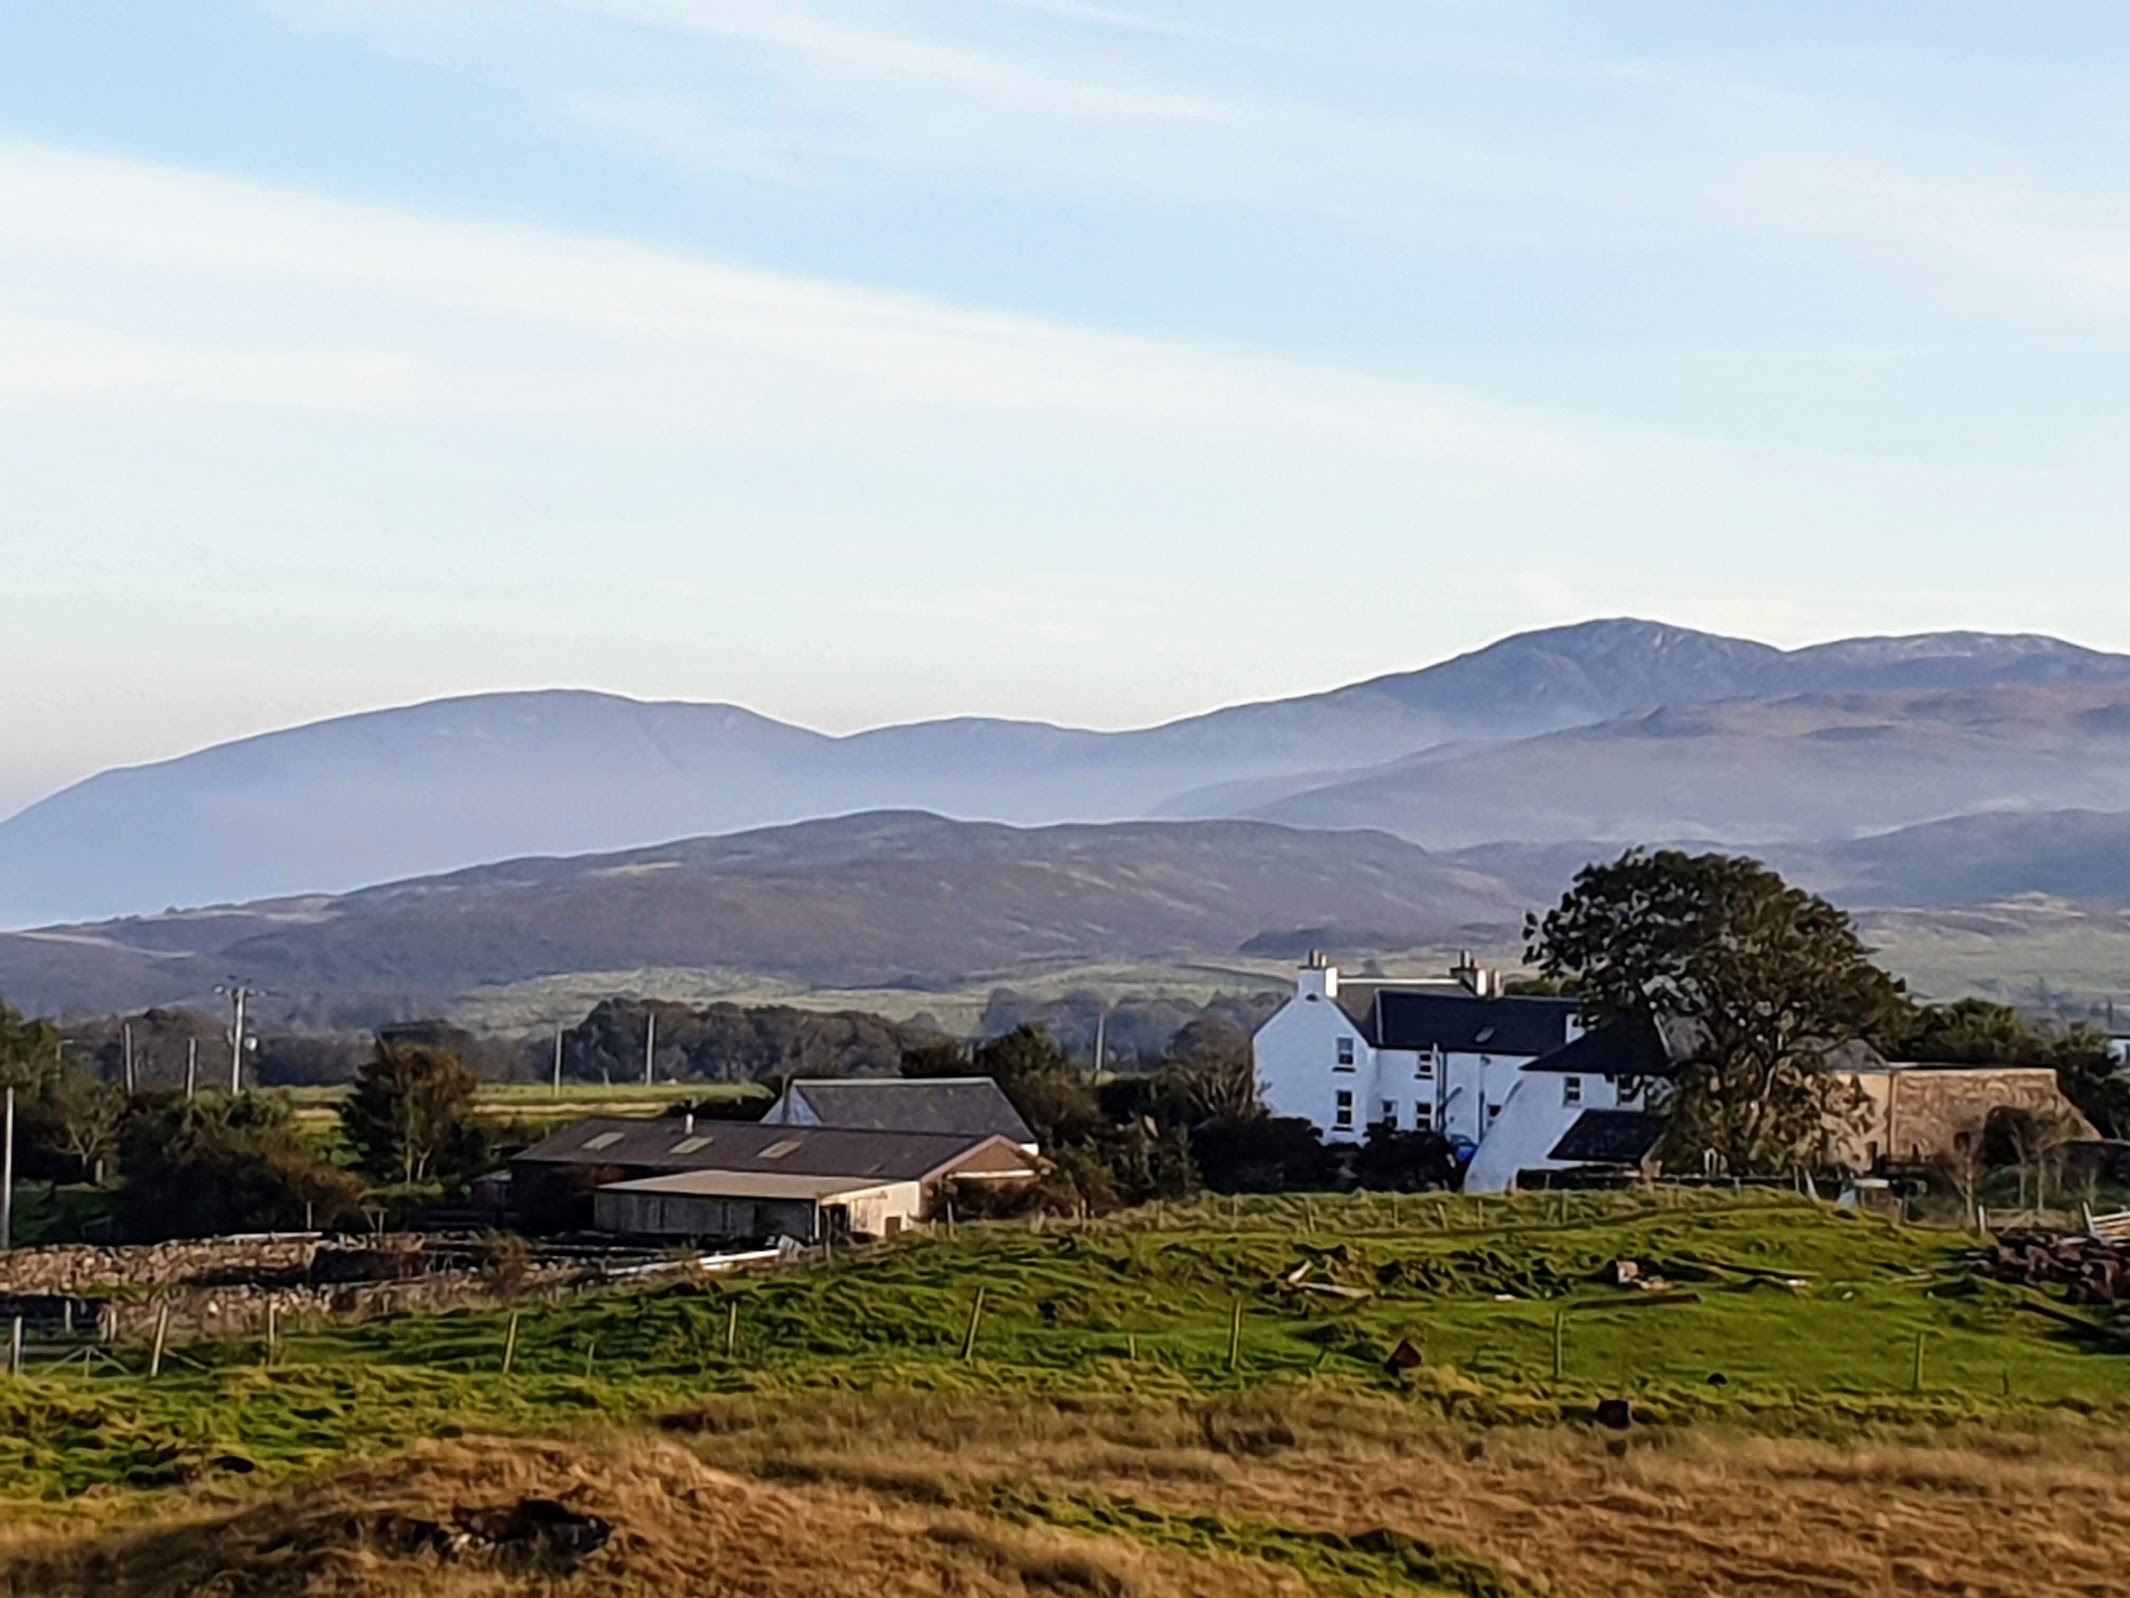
x=1092, y=361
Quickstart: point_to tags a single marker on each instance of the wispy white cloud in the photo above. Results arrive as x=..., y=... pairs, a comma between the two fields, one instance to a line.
x=1627, y=155
x=832, y=50
x=160, y=285
x=1100, y=16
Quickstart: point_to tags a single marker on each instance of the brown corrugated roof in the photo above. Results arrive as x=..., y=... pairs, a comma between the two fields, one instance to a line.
x=667, y=1144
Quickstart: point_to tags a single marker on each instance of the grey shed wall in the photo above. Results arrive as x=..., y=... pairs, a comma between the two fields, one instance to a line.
x=699, y=1215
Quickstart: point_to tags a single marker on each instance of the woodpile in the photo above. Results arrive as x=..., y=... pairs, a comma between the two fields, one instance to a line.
x=2089, y=1270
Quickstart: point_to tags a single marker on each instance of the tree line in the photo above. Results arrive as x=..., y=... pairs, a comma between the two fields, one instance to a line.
x=181, y=1165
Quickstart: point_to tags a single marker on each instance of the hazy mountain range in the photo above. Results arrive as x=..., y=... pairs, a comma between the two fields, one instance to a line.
x=902, y=899
x=1436, y=806
x=884, y=899
x=1610, y=730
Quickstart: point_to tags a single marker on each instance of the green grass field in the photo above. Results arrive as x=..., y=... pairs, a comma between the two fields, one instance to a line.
x=560, y=1000
x=1146, y=1305
x=538, y=1101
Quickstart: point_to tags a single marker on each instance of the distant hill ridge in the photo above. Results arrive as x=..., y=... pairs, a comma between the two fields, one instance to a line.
x=390, y=794
x=915, y=901
x=875, y=900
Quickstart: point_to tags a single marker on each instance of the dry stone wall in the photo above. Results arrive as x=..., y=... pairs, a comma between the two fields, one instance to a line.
x=84, y=1267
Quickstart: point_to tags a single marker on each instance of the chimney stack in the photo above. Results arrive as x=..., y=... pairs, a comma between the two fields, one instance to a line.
x=1319, y=978
x=1477, y=979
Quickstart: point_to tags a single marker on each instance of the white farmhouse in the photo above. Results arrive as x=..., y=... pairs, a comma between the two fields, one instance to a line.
x=1459, y=1058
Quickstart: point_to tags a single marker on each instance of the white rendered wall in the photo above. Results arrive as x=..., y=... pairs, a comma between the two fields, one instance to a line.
x=1534, y=1117
x=1298, y=1071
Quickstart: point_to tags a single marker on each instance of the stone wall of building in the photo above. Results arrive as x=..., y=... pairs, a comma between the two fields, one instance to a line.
x=1923, y=1113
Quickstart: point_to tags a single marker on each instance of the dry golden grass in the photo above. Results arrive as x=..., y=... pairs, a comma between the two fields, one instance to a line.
x=1982, y=1514
x=890, y=1497
x=682, y=1528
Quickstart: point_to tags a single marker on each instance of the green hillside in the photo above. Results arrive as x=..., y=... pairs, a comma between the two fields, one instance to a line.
x=1779, y=1315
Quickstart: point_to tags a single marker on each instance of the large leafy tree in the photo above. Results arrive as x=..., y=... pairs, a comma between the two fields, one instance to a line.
x=83, y=1120
x=218, y=1164
x=410, y=1115
x=1052, y=1094
x=31, y=1057
x=65, y=1121
x=1765, y=983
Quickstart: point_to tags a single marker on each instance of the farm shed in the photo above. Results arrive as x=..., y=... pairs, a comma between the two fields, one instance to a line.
x=749, y=1204
x=553, y=1182
x=959, y=1104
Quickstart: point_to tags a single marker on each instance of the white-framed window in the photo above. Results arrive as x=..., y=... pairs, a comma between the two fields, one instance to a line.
x=1345, y=1054
x=1423, y=1116
x=1424, y=1067
x=1342, y=1111
x=1390, y=1114
x=1571, y=1090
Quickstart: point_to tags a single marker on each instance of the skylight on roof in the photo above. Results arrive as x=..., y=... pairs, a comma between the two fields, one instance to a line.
x=688, y=1145
x=603, y=1140
x=777, y=1150
x=1484, y=1035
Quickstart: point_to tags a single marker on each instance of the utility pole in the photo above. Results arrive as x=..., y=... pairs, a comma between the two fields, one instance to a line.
x=238, y=995
x=236, y=1047
x=7, y=1173
x=558, y=1062
x=126, y=1043
x=650, y=1044
x=1101, y=1040
x=192, y=1067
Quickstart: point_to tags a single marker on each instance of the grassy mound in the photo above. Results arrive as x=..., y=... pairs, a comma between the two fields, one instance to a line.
x=677, y=1527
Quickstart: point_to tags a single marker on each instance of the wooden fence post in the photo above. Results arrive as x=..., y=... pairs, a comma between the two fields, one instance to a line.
x=1915, y=1375
x=1560, y=1343
x=273, y=1329
x=1235, y=1336
x=732, y=1330
x=14, y=1347
x=976, y=1315
x=162, y=1331
x=510, y=1343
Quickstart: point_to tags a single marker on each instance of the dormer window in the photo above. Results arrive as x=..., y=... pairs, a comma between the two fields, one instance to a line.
x=1345, y=1054
x=1571, y=1090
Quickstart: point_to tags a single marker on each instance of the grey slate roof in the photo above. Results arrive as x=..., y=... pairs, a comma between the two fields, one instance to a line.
x=1628, y=1048
x=1459, y=1023
x=960, y=1104
x=666, y=1144
x=1609, y=1137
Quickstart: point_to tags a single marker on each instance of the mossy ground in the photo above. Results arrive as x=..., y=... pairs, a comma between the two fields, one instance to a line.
x=1142, y=1308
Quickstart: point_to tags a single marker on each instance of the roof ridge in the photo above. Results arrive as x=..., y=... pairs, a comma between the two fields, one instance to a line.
x=890, y=1081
